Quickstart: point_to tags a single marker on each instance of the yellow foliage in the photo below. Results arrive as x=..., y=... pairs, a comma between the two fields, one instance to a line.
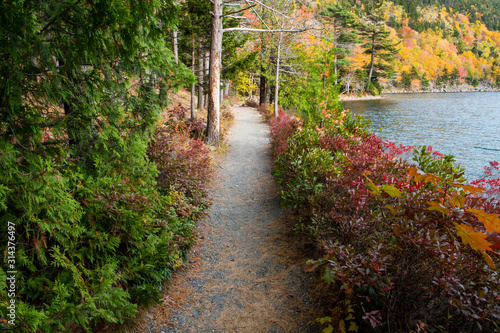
x=244, y=83
x=415, y=84
x=476, y=240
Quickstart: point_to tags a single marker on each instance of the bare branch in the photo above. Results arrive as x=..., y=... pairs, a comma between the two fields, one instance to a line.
x=271, y=9
x=264, y=30
x=290, y=72
x=256, y=13
x=54, y=19
x=234, y=3
x=238, y=11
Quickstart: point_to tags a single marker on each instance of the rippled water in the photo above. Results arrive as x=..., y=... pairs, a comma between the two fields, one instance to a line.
x=466, y=125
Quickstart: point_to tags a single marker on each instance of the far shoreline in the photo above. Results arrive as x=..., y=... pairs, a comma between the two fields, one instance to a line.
x=385, y=94
x=359, y=98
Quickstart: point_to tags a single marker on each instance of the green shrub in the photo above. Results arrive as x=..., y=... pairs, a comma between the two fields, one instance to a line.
x=78, y=196
x=438, y=164
x=89, y=246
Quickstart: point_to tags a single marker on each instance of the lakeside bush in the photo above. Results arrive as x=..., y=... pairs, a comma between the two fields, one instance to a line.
x=404, y=249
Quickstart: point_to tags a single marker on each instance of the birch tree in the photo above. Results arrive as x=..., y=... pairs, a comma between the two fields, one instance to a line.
x=282, y=15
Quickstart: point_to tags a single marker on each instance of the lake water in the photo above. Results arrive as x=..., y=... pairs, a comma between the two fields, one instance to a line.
x=466, y=125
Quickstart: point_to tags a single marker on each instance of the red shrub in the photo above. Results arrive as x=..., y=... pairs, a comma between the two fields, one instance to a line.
x=183, y=163
x=392, y=240
x=491, y=180
x=281, y=129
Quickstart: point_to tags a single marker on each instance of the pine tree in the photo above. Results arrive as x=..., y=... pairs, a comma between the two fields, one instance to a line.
x=378, y=44
x=195, y=26
x=343, y=36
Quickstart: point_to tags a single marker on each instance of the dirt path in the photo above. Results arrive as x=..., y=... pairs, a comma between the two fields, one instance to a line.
x=246, y=273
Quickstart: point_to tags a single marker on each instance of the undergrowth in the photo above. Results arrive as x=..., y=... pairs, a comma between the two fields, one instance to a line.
x=90, y=247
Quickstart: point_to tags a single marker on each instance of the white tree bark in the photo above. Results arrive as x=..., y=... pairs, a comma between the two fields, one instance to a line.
x=174, y=44
x=335, y=51
x=277, y=79
x=372, y=62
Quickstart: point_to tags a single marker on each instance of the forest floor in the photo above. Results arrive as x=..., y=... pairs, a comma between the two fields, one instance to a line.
x=246, y=274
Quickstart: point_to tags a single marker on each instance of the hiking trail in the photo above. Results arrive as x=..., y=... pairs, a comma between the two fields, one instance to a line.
x=246, y=274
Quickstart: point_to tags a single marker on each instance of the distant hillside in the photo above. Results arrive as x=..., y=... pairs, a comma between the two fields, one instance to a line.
x=440, y=47
x=444, y=47
x=486, y=11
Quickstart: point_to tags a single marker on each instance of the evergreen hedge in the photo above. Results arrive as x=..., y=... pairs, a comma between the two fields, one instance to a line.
x=81, y=86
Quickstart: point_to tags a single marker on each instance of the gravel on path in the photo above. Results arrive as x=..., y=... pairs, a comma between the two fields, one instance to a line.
x=246, y=273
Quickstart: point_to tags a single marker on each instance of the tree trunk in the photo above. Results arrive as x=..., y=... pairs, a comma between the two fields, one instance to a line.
x=277, y=79
x=251, y=82
x=335, y=50
x=372, y=63
x=324, y=73
x=267, y=93
x=206, y=59
x=213, y=123
x=262, y=89
x=193, y=85
x=200, y=75
x=174, y=46
x=69, y=110
x=221, y=96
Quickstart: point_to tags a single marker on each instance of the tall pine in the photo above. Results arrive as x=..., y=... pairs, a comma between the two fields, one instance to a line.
x=344, y=37
x=377, y=43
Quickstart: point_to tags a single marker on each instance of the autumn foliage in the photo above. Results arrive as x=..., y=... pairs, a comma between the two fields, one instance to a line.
x=403, y=249
x=182, y=159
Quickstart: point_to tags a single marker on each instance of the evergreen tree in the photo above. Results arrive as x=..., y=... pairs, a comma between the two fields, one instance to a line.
x=195, y=27
x=343, y=36
x=82, y=85
x=378, y=44
x=425, y=82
